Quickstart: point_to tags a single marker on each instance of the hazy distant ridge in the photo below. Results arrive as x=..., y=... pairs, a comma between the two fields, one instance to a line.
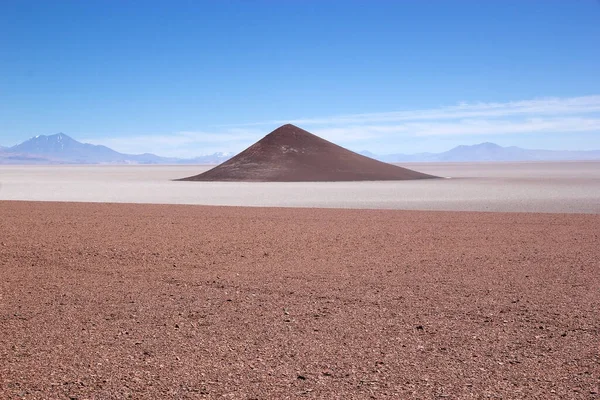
x=62, y=149
x=489, y=152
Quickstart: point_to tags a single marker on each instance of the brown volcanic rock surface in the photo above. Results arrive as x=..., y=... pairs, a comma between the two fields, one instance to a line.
x=291, y=154
x=104, y=301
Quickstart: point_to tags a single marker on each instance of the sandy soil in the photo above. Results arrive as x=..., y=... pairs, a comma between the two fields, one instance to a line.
x=103, y=301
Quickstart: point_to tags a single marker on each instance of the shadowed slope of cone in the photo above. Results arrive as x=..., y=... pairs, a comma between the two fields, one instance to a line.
x=291, y=154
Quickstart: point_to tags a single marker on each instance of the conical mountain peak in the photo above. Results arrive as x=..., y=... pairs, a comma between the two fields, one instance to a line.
x=291, y=154
x=288, y=130
x=289, y=135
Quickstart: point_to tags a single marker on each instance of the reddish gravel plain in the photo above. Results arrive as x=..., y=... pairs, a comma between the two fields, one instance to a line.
x=107, y=301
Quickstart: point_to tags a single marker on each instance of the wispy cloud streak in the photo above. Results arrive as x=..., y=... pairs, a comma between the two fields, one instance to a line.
x=185, y=144
x=535, y=107
x=386, y=130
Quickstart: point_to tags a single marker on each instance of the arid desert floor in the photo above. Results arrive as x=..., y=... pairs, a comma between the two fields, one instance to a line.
x=530, y=187
x=145, y=301
x=103, y=301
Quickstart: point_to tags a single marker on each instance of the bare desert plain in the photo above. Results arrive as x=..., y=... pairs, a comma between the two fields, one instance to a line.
x=363, y=291
x=529, y=187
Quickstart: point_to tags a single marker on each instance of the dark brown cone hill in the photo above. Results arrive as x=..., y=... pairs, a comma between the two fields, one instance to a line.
x=291, y=154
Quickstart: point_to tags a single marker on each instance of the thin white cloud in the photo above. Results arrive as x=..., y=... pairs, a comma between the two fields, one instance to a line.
x=388, y=129
x=353, y=133
x=538, y=107
x=185, y=144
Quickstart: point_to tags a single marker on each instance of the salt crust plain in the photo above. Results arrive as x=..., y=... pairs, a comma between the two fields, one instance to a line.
x=561, y=187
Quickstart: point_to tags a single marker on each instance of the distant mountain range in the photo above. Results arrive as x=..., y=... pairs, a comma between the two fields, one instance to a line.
x=62, y=149
x=489, y=152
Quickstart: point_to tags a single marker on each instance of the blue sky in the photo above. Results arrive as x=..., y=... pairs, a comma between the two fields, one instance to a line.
x=183, y=78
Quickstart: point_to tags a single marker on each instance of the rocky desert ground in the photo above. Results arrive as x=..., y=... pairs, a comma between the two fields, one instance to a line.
x=142, y=301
